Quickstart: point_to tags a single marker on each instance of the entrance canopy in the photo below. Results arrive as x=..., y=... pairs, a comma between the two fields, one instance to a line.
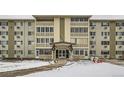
x=62, y=45
x=62, y=50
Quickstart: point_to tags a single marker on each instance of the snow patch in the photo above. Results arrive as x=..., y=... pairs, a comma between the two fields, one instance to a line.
x=11, y=66
x=83, y=69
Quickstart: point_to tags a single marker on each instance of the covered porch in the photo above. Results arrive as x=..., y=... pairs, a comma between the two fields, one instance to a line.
x=62, y=50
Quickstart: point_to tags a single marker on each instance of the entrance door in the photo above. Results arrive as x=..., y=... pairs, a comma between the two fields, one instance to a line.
x=62, y=53
x=67, y=53
x=37, y=53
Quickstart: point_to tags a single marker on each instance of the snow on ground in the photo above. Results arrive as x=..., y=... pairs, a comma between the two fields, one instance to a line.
x=10, y=66
x=83, y=69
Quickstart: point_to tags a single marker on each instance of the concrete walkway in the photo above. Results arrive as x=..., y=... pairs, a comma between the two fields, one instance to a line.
x=23, y=72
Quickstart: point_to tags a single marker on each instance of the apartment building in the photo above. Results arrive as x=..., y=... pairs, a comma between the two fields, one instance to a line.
x=61, y=36
x=17, y=36
x=107, y=36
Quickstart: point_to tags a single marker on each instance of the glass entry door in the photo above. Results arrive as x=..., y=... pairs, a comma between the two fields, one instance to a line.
x=62, y=53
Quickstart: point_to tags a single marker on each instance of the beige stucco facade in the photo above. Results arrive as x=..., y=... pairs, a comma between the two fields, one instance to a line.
x=109, y=35
x=16, y=41
x=61, y=36
x=62, y=26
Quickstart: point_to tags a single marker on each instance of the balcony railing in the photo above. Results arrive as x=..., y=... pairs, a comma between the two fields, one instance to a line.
x=44, y=34
x=79, y=23
x=80, y=45
x=79, y=34
x=43, y=45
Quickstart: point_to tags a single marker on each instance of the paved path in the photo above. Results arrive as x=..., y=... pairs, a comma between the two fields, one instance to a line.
x=23, y=72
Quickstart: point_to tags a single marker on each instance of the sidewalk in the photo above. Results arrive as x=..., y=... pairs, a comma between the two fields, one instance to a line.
x=22, y=72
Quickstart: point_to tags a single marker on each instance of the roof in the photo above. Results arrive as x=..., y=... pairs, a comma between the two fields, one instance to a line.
x=62, y=43
x=107, y=17
x=17, y=17
x=62, y=15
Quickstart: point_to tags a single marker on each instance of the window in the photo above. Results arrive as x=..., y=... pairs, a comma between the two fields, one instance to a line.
x=30, y=33
x=18, y=52
x=104, y=42
x=44, y=51
x=29, y=42
x=92, y=33
x=119, y=24
x=21, y=23
x=18, y=33
x=104, y=33
x=81, y=52
x=79, y=29
x=4, y=33
x=18, y=42
x=92, y=24
x=119, y=42
x=18, y=24
x=79, y=19
x=21, y=33
x=51, y=29
x=42, y=29
x=30, y=52
x=15, y=23
x=29, y=23
x=92, y=42
x=120, y=52
x=47, y=40
x=4, y=51
x=38, y=29
x=86, y=53
x=3, y=23
x=119, y=33
x=51, y=40
x=92, y=52
x=47, y=29
x=38, y=40
x=78, y=51
x=105, y=24
x=3, y=43
x=105, y=52
x=42, y=40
